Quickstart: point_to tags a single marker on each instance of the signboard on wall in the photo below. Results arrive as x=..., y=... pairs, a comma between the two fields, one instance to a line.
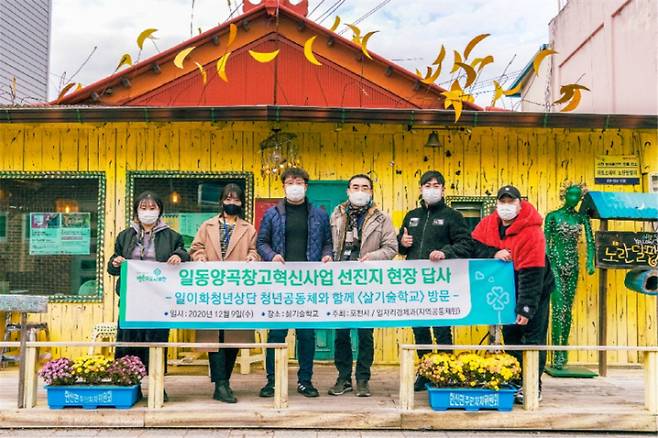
x=60, y=233
x=617, y=170
x=626, y=250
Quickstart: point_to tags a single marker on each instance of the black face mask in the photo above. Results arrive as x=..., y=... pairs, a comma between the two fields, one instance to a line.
x=232, y=209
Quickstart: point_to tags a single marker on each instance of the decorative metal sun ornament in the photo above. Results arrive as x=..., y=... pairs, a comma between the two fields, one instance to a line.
x=278, y=152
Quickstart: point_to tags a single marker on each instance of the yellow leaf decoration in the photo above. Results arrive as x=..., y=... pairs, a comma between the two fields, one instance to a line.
x=568, y=93
x=232, y=34
x=126, y=59
x=78, y=87
x=221, y=66
x=364, y=43
x=455, y=98
x=458, y=59
x=65, y=90
x=482, y=62
x=336, y=24
x=470, y=73
x=536, y=63
x=202, y=71
x=575, y=101
x=264, y=56
x=474, y=42
x=430, y=79
x=308, y=51
x=440, y=56
x=146, y=33
x=498, y=93
x=180, y=57
x=418, y=73
x=356, y=33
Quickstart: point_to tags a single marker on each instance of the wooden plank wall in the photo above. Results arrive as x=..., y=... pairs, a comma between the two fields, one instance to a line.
x=474, y=163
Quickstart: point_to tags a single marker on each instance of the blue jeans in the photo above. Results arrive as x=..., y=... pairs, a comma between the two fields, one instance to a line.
x=305, y=353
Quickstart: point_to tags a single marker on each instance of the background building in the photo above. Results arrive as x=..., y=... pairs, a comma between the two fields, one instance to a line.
x=24, y=50
x=608, y=46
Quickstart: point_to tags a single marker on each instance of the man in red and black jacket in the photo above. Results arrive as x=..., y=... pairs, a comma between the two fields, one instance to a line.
x=514, y=233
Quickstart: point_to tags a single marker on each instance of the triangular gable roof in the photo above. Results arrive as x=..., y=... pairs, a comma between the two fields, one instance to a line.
x=346, y=78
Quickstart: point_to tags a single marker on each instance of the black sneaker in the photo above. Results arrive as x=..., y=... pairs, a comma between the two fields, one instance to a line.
x=518, y=397
x=341, y=387
x=419, y=385
x=307, y=390
x=362, y=388
x=267, y=390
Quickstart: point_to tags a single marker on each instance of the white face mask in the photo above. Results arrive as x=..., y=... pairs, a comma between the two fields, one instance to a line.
x=507, y=212
x=359, y=199
x=148, y=217
x=432, y=196
x=295, y=192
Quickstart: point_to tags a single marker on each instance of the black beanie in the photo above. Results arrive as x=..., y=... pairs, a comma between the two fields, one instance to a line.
x=430, y=175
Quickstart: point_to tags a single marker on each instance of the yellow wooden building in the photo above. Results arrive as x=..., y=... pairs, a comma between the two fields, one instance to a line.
x=145, y=127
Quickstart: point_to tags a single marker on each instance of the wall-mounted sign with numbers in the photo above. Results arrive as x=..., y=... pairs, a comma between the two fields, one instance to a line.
x=236, y=295
x=617, y=169
x=624, y=250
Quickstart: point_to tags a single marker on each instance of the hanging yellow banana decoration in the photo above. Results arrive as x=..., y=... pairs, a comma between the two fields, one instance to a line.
x=126, y=59
x=356, y=33
x=308, y=51
x=264, y=56
x=474, y=42
x=232, y=34
x=440, y=56
x=570, y=93
x=202, y=71
x=432, y=77
x=481, y=63
x=144, y=35
x=470, y=73
x=336, y=24
x=498, y=93
x=536, y=63
x=221, y=66
x=455, y=98
x=180, y=57
x=457, y=60
x=364, y=43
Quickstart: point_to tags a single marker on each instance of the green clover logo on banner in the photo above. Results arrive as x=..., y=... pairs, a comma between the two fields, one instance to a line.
x=498, y=298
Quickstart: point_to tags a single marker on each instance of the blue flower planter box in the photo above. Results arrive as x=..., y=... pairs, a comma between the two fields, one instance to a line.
x=92, y=397
x=470, y=399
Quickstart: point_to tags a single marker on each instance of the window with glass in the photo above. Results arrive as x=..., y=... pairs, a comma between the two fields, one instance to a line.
x=189, y=198
x=473, y=208
x=51, y=234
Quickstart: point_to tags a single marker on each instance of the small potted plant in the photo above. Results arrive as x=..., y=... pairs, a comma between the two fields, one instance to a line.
x=93, y=381
x=470, y=381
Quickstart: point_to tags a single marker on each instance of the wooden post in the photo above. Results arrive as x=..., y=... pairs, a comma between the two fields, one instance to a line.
x=603, y=312
x=407, y=378
x=245, y=361
x=280, y=378
x=30, y=389
x=156, y=377
x=651, y=381
x=22, y=364
x=531, y=380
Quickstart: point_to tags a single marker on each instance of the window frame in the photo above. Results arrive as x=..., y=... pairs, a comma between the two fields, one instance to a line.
x=100, y=177
x=248, y=178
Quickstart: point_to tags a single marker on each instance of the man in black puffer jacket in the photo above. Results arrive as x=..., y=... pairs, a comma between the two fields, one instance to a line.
x=433, y=231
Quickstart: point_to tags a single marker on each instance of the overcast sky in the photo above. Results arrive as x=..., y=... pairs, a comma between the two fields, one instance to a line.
x=411, y=31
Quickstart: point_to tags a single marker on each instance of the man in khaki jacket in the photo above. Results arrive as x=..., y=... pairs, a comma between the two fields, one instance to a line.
x=362, y=232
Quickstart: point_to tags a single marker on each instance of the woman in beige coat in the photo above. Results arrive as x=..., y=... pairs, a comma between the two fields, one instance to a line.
x=226, y=237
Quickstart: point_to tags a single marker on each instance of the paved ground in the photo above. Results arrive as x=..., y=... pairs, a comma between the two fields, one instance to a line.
x=260, y=433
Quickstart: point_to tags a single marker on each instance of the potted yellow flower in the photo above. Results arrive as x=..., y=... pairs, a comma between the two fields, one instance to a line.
x=93, y=381
x=470, y=381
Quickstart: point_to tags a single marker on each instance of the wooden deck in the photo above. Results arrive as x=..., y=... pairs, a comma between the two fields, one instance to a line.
x=614, y=403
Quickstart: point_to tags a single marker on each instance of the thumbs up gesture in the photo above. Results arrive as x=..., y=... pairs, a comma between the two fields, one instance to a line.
x=407, y=239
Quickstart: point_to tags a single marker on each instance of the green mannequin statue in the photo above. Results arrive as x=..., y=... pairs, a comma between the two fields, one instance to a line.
x=563, y=229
